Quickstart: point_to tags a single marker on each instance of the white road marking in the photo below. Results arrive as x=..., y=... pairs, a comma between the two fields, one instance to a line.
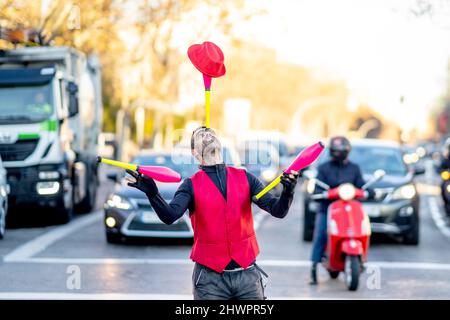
x=25, y=252
x=404, y=265
x=107, y=261
x=438, y=218
x=118, y=296
x=39, y=244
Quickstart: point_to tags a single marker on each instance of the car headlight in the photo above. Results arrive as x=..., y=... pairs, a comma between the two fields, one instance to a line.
x=405, y=192
x=48, y=175
x=119, y=202
x=346, y=191
x=110, y=222
x=311, y=186
x=269, y=175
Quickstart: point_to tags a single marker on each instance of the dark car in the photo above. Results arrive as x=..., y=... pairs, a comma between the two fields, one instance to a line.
x=128, y=212
x=395, y=211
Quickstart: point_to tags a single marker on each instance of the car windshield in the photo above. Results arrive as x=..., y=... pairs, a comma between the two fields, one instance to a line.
x=258, y=157
x=387, y=158
x=279, y=145
x=25, y=104
x=184, y=164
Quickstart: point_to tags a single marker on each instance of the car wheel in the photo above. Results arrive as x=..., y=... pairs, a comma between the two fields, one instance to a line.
x=447, y=209
x=352, y=272
x=412, y=237
x=308, y=224
x=2, y=222
x=114, y=238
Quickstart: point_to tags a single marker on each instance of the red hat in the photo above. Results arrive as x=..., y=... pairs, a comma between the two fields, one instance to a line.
x=207, y=58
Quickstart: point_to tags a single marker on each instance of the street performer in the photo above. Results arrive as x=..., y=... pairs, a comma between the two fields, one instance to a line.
x=219, y=200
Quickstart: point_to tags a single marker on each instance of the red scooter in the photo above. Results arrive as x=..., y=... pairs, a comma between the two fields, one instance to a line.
x=348, y=230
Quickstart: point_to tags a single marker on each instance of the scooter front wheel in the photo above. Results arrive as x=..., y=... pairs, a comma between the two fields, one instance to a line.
x=333, y=274
x=352, y=272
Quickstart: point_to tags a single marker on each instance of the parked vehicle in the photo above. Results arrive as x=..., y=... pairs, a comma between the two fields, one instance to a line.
x=275, y=139
x=445, y=190
x=4, y=191
x=348, y=230
x=128, y=212
x=107, y=145
x=261, y=160
x=50, y=119
x=395, y=211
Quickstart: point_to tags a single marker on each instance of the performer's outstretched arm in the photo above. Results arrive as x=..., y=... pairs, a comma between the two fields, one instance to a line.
x=276, y=206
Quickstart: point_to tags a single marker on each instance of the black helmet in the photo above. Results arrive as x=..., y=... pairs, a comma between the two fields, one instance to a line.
x=339, y=148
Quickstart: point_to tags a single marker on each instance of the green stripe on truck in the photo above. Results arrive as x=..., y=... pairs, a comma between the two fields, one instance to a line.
x=49, y=125
x=23, y=136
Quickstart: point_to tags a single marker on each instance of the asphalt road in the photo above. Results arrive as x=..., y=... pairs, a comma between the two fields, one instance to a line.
x=75, y=262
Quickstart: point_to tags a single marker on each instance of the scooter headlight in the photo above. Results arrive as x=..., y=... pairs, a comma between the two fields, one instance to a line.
x=346, y=191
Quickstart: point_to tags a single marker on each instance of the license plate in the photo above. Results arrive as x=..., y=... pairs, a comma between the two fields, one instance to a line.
x=372, y=211
x=150, y=218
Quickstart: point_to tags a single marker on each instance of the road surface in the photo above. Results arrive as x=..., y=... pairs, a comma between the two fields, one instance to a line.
x=41, y=262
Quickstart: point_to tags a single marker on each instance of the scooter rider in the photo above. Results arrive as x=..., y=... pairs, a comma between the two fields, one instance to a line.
x=219, y=201
x=338, y=170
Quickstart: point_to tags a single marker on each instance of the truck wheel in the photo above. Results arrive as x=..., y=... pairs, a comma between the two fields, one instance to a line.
x=352, y=271
x=308, y=224
x=64, y=211
x=88, y=203
x=412, y=237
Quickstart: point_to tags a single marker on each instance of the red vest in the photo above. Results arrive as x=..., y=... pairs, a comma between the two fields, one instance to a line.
x=223, y=229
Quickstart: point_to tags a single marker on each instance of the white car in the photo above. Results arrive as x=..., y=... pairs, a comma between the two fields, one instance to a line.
x=4, y=191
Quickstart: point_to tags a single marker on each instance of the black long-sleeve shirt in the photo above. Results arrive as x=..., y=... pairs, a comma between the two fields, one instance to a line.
x=334, y=174
x=184, y=196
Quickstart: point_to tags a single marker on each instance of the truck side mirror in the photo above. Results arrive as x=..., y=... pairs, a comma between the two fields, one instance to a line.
x=72, y=89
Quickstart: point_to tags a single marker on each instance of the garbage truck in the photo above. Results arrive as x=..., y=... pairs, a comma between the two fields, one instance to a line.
x=50, y=120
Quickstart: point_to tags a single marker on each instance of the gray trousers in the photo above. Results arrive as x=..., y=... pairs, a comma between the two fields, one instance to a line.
x=245, y=284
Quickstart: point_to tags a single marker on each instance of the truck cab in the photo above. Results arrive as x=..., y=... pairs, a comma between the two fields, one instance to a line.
x=50, y=119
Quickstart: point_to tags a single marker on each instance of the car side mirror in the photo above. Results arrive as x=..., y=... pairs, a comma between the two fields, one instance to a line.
x=112, y=176
x=72, y=89
x=418, y=170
